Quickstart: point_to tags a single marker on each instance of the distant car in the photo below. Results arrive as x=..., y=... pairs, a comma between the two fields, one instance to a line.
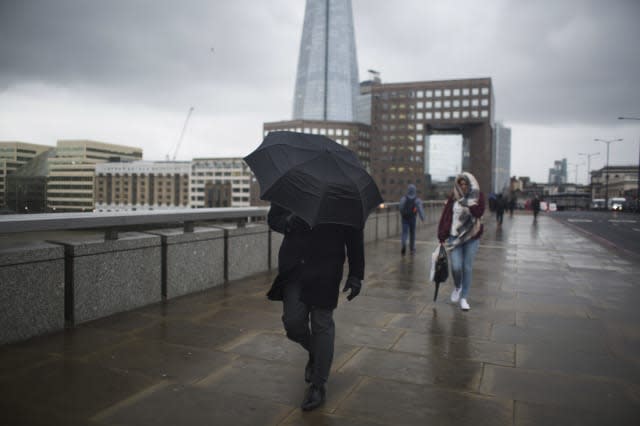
x=617, y=203
x=597, y=203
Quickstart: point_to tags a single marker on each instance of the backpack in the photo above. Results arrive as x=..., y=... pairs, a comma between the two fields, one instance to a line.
x=409, y=209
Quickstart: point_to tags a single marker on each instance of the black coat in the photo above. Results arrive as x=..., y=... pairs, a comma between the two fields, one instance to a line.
x=315, y=257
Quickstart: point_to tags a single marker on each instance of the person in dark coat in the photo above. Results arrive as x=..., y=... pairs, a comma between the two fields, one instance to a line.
x=460, y=229
x=500, y=207
x=310, y=269
x=535, y=205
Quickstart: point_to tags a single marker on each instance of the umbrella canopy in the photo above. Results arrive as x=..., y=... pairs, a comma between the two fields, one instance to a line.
x=316, y=178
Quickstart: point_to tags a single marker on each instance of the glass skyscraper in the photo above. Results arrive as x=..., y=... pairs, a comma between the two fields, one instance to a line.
x=327, y=85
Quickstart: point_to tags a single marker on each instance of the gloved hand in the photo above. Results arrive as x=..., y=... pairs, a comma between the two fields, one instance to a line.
x=295, y=224
x=355, y=285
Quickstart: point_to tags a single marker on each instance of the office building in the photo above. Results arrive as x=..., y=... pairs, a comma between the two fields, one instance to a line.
x=406, y=115
x=27, y=187
x=70, y=187
x=558, y=173
x=142, y=185
x=206, y=172
x=13, y=155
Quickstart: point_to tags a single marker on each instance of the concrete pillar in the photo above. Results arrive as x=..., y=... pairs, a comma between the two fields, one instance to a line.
x=31, y=289
x=107, y=277
x=191, y=261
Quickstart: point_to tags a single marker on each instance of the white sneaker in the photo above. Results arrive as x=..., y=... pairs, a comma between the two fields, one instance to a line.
x=464, y=305
x=455, y=294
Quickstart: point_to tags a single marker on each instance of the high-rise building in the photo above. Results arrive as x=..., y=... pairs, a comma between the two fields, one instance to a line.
x=327, y=85
x=13, y=155
x=70, y=186
x=501, y=158
x=142, y=185
x=558, y=173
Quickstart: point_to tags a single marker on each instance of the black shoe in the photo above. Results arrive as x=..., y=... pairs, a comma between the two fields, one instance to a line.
x=314, y=398
x=308, y=370
x=403, y=251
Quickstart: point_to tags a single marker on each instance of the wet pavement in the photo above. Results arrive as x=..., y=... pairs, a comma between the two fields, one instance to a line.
x=552, y=338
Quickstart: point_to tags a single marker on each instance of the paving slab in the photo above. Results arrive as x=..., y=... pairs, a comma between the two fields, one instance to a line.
x=552, y=337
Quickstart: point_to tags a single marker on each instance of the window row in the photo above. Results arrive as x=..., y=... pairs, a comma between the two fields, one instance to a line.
x=435, y=116
x=437, y=93
x=314, y=131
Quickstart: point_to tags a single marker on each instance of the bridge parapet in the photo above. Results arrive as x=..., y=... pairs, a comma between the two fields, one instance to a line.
x=99, y=264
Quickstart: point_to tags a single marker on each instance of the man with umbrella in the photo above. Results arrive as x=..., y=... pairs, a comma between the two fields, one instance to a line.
x=320, y=198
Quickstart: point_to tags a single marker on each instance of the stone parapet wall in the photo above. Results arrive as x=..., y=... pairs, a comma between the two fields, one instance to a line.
x=68, y=281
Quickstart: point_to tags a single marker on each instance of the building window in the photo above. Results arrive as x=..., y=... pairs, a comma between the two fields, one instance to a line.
x=420, y=105
x=419, y=126
x=419, y=116
x=456, y=114
x=437, y=115
x=465, y=92
x=428, y=116
x=456, y=92
x=446, y=114
x=419, y=94
x=474, y=102
x=438, y=93
x=465, y=102
x=485, y=90
x=484, y=102
x=438, y=104
x=447, y=104
x=465, y=114
x=428, y=104
x=429, y=93
x=475, y=91
x=447, y=92
x=456, y=103
x=485, y=113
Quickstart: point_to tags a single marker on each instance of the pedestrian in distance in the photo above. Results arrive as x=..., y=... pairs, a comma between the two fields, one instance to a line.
x=410, y=208
x=535, y=205
x=310, y=269
x=512, y=205
x=459, y=230
x=500, y=207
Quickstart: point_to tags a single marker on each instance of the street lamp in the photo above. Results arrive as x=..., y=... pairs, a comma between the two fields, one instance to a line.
x=638, y=187
x=606, y=187
x=589, y=155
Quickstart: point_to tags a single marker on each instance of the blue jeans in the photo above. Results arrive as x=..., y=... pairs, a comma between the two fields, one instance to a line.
x=409, y=229
x=461, y=259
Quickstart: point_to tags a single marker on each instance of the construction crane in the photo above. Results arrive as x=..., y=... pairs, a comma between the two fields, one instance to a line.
x=184, y=128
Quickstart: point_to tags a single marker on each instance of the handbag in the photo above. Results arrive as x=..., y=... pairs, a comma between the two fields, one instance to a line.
x=439, y=268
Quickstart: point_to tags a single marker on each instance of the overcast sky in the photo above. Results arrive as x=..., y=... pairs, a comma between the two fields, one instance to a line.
x=127, y=71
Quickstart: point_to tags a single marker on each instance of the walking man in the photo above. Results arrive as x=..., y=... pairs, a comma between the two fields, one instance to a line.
x=310, y=269
x=410, y=207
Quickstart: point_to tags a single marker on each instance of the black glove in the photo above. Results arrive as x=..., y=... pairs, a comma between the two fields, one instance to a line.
x=355, y=285
x=295, y=224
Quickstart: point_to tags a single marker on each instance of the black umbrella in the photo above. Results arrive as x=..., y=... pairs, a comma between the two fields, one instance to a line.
x=316, y=178
x=441, y=270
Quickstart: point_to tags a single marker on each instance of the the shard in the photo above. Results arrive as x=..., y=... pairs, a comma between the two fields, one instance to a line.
x=327, y=85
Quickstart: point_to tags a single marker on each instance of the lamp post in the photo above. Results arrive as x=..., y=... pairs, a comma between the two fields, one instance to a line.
x=638, y=187
x=606, y=185
x=589, y=155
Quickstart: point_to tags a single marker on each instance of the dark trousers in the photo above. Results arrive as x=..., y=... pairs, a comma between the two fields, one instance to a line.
x=313, y=328
x=409, y=230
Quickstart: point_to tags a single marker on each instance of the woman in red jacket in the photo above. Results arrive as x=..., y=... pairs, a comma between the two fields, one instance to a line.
x=460, y=229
